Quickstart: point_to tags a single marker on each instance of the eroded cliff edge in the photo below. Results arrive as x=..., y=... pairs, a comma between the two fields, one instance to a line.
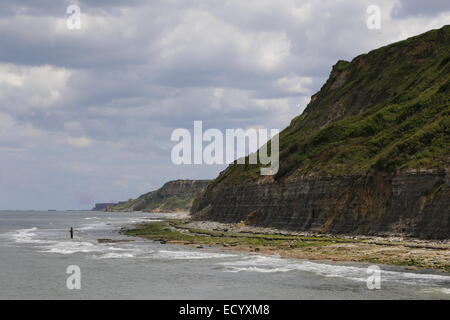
x=173, y=196
x=369, y=155
x=410, y=203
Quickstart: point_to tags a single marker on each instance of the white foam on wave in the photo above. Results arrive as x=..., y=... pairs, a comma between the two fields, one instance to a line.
x=121, y=253
x=24, y=236
x=274, y=264
x=32, y=236
x=115, y=255
x=93, y=226
x=437, y=290
x=67, y=247
x=161, y=254
x=112, y=222
x=70, y=247
x=258, y=264
x=190, y=255
x=41, y=239
x=262, y=264
x=259, y=269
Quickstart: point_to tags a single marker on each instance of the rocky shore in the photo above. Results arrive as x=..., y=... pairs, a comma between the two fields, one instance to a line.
x=411, y=204
x=411, y=253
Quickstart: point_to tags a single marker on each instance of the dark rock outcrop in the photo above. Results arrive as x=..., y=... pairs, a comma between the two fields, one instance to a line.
x=409, y=203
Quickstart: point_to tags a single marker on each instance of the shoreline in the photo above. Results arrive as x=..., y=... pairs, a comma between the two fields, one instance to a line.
x=412, y=254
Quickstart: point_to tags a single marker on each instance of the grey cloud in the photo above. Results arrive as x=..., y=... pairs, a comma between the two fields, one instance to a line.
x=58, y=8
x=87, y=115
x=408, y=8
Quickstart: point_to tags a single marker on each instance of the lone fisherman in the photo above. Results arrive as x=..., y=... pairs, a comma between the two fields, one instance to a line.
x=71, y=233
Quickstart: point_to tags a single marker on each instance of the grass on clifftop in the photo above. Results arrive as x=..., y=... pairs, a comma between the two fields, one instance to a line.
x=386, y=110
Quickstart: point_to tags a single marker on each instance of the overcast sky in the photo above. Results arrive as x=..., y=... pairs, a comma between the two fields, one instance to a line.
x=86, y=115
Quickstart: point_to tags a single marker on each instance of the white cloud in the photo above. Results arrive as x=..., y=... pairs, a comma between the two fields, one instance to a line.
x=80, y=142
x=200, y=38
x=24, y=88
x=14, y=135
x=138, y=69
x=295, y=84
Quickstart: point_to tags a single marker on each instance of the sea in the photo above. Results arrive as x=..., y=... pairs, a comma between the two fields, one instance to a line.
x=38, y=260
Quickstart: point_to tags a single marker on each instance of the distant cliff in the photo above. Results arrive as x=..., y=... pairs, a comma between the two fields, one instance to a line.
x=174, y=196
x=369, y=155
x=102, y=206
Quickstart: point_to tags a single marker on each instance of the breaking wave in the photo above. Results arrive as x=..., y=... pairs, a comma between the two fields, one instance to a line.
x=274, y=264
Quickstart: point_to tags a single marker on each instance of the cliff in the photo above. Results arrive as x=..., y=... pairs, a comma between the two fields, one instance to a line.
x=369, y=155
x=174, y=196
x=102, y=206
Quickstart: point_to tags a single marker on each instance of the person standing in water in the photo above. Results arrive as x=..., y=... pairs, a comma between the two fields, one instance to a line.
x=71, y=233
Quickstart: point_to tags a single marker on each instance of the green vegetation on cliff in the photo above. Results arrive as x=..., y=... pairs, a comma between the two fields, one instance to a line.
x=387, y=110
x=174, y=196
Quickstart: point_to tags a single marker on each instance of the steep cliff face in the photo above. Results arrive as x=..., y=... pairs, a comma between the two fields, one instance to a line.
x=410, y=203
x=103, y=206
x=369, y=155
x=173, y=196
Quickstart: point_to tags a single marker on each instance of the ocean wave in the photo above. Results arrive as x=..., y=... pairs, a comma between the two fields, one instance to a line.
x=437, y=290
x=232, y=263
x=93, y=226
x=24, y=236
x=445, y=290
x=70, y=247
x=259, y=269
x=115, y=255
x=190, y=255
x=275, y=264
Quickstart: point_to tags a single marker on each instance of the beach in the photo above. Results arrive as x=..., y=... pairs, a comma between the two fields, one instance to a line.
x=412, y=254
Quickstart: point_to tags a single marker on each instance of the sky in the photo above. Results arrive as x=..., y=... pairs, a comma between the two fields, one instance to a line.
x=86, y=114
